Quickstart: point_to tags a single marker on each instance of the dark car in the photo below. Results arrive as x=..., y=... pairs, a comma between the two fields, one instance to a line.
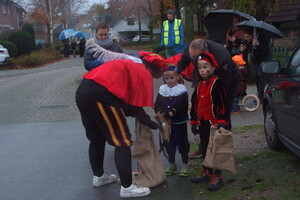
x=281, y=105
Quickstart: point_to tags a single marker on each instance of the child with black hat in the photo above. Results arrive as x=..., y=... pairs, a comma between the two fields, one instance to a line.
x=208, y=108
x=172, y=100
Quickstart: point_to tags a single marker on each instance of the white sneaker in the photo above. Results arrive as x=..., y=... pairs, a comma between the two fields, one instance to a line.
x=134, y=191
x=104, y=179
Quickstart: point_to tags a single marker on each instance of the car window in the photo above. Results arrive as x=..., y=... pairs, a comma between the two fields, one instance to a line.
x=295, y=64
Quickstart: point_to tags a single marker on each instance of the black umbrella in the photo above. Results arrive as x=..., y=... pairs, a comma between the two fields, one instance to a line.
x=217, y=22
x=261, y=26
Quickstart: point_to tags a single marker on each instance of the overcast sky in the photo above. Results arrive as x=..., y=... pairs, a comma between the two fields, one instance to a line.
x=91, y=2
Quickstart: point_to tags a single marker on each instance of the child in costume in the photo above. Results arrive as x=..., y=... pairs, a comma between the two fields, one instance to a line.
x=208, y=108
x=241, y=90
x=172, y=100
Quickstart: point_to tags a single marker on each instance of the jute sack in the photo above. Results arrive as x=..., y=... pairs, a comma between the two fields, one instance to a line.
x=150, y=166
x=219, y=153
x=164, y=126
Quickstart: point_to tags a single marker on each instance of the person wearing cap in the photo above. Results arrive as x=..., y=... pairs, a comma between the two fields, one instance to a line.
x=102, y=39
x=241, y=90
x=172, y=34
x=208, y=108
x=227, y=71
x=103, y=104
x=172, y=101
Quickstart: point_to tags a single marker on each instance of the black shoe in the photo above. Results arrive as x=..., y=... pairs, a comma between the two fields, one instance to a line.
x=204, y=177
x=216, y=183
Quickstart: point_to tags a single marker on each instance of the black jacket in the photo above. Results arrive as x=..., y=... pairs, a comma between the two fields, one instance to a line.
x=227, y=71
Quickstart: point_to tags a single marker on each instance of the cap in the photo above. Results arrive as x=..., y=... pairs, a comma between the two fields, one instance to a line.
x=155, y=59
x=172, y=67
x=238, y=59
x=171, y=12
x=208, y=57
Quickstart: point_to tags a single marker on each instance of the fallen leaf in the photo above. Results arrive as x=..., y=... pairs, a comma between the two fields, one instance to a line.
x=255, y=154
x=231, y=181
x=247, y=187
x=259, y=181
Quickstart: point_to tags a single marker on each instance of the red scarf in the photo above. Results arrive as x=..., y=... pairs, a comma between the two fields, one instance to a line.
x=127, y=80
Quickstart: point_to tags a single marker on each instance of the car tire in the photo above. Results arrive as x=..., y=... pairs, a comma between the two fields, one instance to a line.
x=271, y=131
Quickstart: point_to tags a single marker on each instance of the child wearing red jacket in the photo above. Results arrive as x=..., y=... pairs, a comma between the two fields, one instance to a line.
x=208, y=108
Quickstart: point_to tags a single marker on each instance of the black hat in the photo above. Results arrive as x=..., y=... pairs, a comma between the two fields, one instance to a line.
x=171, y=12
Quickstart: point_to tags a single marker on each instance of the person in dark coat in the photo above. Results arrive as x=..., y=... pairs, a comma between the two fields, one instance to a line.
x=102, y=39
x=103, y=104
x=172, y=101
x=227, y=71
x=259, y=50
x=81, y=45
x=73, y=46
x=234, y=36
x=208, y=108
x=66, y=47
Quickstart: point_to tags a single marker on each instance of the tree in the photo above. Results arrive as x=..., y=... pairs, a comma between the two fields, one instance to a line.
x=50, y=12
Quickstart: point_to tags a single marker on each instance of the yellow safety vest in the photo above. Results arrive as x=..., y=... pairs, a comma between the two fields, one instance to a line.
x=177, y=23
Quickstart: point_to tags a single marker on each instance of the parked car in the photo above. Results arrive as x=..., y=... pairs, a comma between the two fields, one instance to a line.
x=145, y=38
x=4, y=56
x=281, y=105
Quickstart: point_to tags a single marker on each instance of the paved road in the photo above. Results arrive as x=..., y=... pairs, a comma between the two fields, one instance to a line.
x=43, y=149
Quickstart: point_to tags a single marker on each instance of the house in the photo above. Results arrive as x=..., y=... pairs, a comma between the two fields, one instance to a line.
x=286, y=17
x=124, y=29
x=11, y=16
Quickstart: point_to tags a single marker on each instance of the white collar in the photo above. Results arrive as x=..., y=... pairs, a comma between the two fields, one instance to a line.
x=177, y=90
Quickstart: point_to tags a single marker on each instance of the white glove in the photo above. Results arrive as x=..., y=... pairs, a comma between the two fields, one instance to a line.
x=136, y=60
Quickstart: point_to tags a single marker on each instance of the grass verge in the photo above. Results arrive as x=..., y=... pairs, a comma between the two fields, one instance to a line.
x=264, y=175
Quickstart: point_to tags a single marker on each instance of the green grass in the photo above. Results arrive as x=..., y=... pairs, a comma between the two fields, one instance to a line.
x=266, y=175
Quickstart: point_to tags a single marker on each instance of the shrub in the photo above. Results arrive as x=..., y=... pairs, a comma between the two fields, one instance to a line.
x=29, y=29
x=23, y=41
x=11, y=47
x=37, y=58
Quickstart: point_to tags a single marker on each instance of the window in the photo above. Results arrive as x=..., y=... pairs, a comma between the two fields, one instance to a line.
x=86, y=25
x=9, y=9
x=130, y=21
x=4, y=8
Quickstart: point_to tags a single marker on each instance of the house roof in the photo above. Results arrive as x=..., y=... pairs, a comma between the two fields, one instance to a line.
x=18, y=6
x=288, y=11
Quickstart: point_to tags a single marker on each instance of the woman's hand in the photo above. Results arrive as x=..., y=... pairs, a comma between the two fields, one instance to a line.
x=255, y=42
x=243, y=47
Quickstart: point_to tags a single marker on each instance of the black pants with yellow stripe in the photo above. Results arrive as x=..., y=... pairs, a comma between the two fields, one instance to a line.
x=104, y=123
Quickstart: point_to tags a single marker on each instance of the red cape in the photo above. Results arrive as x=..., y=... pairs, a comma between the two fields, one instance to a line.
x=187, y=73
x=127, y=80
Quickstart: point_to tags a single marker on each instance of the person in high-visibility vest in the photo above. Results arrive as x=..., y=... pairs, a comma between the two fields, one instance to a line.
x=172, y=34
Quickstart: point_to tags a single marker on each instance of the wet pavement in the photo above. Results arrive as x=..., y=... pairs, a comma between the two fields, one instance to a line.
x=43, y=148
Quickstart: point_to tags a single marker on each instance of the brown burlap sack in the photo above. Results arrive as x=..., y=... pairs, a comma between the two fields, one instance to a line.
x=219, y=153
x=164, y=126
x=151, y=170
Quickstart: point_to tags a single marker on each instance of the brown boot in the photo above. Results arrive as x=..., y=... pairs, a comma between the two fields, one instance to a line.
x=196, y=154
